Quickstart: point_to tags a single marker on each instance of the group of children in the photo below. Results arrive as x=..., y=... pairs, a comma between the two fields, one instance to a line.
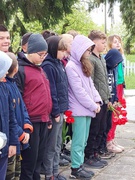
x=52, y=74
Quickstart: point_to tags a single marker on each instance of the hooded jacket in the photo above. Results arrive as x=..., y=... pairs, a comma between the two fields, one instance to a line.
x=8, y=123
x=55, y=71
x=21, y=114
x=113, y=58
x=82, y=93
x=35, y=89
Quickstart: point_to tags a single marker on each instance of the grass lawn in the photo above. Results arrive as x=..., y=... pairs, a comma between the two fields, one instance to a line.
x=130, y=57
x=130, y=81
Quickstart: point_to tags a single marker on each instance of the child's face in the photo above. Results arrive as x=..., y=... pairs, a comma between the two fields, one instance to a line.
x=87, y=53
x=100, y=45
x=37, y=58
x=116, y=44
x=61, y=54
x=4, y=41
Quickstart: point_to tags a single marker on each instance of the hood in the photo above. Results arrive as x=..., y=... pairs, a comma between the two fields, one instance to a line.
x=79, y=45
x=53, y=42
x=113, y=58
x=23, y=61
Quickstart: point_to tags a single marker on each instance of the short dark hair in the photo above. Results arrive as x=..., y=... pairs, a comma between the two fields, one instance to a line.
x=47, y=33
x=3, y=28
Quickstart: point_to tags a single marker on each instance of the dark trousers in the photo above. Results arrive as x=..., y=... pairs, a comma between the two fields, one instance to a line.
x=107, y=129
x=97, y=128
x=52, y=152
x=3, y=167
x=32, y=157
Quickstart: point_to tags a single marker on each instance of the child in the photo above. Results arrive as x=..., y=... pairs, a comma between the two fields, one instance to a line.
x=35, y=90
x=24, y=124
x=84, y=102
x=115, y=41
x=4, y=39
x=55, y=71
x=113, y=58
x=98, y=123
x=8, y=124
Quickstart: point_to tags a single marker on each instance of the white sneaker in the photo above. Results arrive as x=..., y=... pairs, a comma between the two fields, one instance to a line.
x=116, y=144
x=112, y=148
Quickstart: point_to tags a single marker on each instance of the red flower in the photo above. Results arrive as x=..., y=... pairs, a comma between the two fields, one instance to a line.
x=68, y=113
x=70, y=120
x=123, y=112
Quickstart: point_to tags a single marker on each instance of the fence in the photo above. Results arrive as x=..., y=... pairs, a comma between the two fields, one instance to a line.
x=129, y=68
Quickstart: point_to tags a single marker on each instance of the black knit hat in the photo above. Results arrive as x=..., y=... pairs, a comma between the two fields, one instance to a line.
x=36, y=43
x=25, y=38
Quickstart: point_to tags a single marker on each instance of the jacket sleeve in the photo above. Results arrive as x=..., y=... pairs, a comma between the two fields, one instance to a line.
x=51, y=74
x=79, y=92
x=13, y=126
x=28, y=127
x=20, y=79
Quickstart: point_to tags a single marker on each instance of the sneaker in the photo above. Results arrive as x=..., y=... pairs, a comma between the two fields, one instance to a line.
x=119, y=146
x=63, y=162
x=59, y=177
x=94, y=163
x=105, y=154
x=79, y=173
x=98, y=158
x=112, y=148
x=64, y=156
x=88, y=171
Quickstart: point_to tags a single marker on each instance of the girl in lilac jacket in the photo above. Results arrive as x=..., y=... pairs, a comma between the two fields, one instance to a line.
x=84, y=101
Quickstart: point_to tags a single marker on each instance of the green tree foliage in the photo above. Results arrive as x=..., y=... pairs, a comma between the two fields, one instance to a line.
x=127, y=9
x=79, y=20
x=47, y=12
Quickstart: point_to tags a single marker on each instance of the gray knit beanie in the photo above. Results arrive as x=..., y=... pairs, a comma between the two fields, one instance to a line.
x=36, y=43
x=5, y=63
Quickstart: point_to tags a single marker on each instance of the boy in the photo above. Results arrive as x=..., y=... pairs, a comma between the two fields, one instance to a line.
x=21, y=114
x=8, y=124
x=59, y=93
x=100, y=80
x=4, y=39
x=35, y=90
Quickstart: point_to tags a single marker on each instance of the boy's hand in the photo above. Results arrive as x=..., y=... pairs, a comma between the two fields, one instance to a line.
x=57, y=119
x=109, y=105
x=26, y=138
x=11, y=151
x=49, y=126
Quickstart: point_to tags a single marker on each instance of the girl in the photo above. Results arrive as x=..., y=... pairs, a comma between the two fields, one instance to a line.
x=84, y=101
x=115, y=42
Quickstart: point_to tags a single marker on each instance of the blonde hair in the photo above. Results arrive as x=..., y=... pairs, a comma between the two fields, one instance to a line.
x=73, y=33
x=110, y=41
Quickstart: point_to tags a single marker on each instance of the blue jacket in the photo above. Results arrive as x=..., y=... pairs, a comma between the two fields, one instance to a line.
x=113, y=58
x=8, y=123
x=21, y=114
x=58, y=84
